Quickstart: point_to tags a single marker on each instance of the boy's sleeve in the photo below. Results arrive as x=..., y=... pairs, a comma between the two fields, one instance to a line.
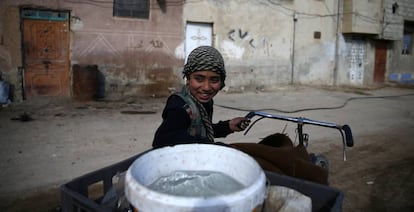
x=222, y=129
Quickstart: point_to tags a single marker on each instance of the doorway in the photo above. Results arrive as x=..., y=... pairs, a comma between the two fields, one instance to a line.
x=380, y=62
x=197, y=34
x=45, y=44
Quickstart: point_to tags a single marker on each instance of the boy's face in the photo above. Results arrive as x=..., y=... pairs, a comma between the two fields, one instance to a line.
x=204, y=85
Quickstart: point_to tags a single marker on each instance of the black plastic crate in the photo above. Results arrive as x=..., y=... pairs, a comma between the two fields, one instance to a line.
x=75, y=195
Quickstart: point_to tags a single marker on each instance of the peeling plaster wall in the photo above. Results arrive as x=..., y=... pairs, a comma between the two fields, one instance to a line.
x=265, y=44
x=255, y=58
x=315, y=55
x=398, y=63
x=10, y=57
x=391, y=33
x=137, y=57
x=262, y=46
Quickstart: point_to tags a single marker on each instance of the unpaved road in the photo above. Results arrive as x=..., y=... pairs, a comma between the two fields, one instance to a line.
x=67, y=139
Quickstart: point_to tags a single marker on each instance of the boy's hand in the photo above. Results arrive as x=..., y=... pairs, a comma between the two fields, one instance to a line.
x=239, y=124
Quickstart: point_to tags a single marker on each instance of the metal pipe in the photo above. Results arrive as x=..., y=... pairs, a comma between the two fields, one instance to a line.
x=293, y=49
x=338, y=31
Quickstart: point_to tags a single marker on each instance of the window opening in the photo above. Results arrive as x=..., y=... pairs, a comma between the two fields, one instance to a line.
x=45, y=15
x=132, y=8
x=407, y=42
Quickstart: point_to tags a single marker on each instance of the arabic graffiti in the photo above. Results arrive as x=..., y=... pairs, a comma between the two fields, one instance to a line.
x=242, y=35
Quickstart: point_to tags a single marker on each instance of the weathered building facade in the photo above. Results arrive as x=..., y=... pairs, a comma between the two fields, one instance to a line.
x=45, y=44
x=330, y=42
x=138, y=48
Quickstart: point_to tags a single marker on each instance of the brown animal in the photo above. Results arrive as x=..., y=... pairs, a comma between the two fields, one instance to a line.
x=276, y=153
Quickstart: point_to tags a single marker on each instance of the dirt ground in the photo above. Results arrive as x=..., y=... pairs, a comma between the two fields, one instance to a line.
x=48, y=142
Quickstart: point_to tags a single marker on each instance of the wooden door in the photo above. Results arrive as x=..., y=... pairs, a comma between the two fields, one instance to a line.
x=380, y=62
x=46, y=58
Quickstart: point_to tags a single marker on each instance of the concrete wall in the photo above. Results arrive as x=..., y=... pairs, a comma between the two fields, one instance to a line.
x=265, y=44
x=251, y=50
x=268, y=43
x=10, y=45
x=137, y=57
x=362, y=16
x=315, y=59
x=400, y=67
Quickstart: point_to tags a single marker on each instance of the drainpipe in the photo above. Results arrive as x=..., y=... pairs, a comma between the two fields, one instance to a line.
x=293, y=48
x=338, y=32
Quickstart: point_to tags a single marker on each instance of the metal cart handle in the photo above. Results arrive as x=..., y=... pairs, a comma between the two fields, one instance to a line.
x=347, y=139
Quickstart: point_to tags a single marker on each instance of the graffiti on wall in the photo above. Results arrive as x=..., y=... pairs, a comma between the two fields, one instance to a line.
x=148, y=45
x=102, y=44
x=242, y=35
x=156, y=43
x=357, y=53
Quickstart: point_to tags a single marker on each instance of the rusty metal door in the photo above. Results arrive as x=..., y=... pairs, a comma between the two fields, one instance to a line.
x=380, y=62
x=46, y=58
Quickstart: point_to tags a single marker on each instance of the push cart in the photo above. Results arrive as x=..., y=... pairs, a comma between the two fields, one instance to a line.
x=76, y=194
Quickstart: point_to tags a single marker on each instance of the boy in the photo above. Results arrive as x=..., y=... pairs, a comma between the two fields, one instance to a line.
x=187, y=116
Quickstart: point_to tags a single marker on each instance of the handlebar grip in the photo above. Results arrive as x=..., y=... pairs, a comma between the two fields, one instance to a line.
x=348, y=135
x=250, y=115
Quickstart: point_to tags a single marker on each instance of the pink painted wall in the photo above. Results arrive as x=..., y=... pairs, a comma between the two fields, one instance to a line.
x=137, y=57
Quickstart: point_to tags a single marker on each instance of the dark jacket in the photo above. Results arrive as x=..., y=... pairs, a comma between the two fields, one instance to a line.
x=176, y=121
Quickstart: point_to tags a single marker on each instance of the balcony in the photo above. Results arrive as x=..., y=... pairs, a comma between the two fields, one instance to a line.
x=362, y=17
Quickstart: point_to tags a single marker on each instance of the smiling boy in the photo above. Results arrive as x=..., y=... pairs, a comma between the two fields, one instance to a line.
x=187, y=116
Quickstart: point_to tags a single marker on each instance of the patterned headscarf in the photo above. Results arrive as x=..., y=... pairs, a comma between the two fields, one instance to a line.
x=205, y=58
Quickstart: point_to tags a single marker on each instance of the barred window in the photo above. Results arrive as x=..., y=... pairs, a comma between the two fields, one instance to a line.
x=407, y=42
x=132, y=8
